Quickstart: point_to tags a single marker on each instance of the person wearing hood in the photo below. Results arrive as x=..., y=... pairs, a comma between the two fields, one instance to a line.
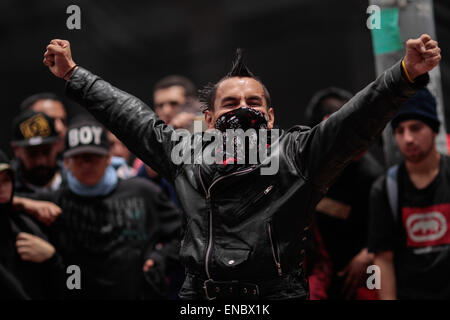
x=30, y=268
x=341, y=218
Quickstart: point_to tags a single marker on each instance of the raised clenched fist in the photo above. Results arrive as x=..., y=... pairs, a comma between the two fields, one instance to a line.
x=58, y=58
x=422, y=55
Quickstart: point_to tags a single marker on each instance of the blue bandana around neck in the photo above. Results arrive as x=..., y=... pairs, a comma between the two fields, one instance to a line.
x=102, y=188
x=117, y=162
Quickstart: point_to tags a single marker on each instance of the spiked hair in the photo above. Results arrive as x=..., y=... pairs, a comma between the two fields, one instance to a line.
x=239, y=69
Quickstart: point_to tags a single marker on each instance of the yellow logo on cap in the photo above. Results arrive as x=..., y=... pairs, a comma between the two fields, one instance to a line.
x=36, y=126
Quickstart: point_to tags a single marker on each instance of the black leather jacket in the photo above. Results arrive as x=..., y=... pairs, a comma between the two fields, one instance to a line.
x=244, y=225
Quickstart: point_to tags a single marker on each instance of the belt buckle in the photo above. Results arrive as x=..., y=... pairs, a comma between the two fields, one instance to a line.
x=241, y=289
x=206, y=287
x=250, y=290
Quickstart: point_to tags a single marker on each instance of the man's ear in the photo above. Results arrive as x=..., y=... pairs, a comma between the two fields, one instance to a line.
x=209, y=119
x=271, y=119
x=109, y=159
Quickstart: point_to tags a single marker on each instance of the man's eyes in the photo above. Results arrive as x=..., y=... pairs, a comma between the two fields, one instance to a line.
x=255, y=104
x=170, y=103
x=251, y=103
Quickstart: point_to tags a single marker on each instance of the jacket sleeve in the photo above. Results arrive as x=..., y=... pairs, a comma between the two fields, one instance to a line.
x=322, y=152
x=130, y=119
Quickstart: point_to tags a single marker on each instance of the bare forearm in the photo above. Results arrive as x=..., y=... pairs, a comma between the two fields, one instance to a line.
x=388, y=290
x=20, y=203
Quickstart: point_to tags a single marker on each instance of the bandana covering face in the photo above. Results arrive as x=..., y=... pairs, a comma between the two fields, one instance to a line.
x=242, y=118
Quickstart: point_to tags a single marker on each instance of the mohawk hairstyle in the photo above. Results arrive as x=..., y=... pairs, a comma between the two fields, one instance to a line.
x=207, y=94
x=239, y=68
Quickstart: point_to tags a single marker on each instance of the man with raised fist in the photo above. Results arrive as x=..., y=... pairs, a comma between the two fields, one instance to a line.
x=245, y=231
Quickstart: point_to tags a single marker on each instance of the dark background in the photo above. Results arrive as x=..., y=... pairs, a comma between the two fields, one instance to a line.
x=295, y=46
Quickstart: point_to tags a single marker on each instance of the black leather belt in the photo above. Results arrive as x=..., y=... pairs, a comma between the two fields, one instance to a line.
x=245, y=289
x=230, y=290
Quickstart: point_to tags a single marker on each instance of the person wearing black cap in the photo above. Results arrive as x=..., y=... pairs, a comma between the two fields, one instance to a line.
x=29, y=266
x=53, y=106
x=119, y=232
x=410, y=209
x=34, y=143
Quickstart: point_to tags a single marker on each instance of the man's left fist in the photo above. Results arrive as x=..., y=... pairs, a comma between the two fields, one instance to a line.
x=58, y=58
x=422, y=55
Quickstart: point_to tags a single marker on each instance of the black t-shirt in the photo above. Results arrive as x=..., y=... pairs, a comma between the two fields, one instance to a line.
x=419, y=236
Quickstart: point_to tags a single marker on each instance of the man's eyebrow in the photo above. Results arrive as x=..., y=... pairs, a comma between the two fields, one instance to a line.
x=255, y=98
x=229, y=98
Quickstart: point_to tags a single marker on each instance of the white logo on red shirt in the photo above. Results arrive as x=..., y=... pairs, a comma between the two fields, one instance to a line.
x=427, y=226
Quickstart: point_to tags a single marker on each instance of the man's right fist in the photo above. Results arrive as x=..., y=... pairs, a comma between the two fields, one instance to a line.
x=58, y=58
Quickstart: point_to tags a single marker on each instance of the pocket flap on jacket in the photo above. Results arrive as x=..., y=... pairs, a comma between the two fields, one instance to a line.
x=232, y=257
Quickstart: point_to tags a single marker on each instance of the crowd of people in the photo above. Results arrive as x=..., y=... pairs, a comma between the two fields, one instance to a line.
x=74, y=195
x=136, y=226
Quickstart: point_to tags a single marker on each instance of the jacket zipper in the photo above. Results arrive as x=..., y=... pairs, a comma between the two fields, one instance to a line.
x=276, y=256
x=258, y=197
x=208, y=198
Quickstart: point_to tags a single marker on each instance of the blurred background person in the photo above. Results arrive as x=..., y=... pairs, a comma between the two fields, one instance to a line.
x=175, y=102
x=171, y=97
x=119, y=232
x=342, y=216
x=31, y=268
x=410, y=209
x=120, y=157
x=50, y=104
x=35, y=147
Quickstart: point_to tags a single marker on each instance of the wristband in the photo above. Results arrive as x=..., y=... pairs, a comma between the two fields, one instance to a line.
x=68, y=72
x=406, y=72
